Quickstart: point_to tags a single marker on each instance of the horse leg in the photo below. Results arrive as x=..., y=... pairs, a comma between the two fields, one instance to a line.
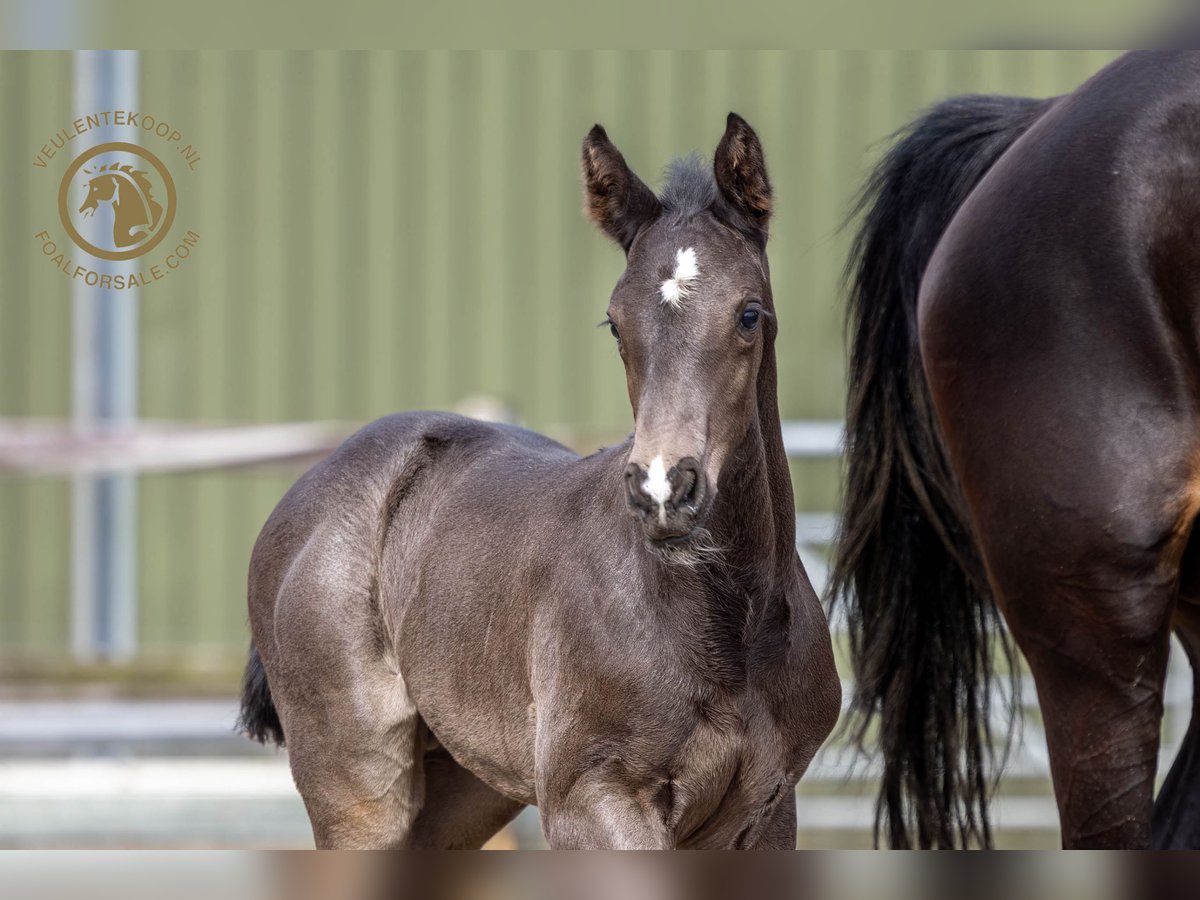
x=1176, y=824
x=1082, y=515
x=361, y=780
x=1070, y=422
x=1102, y=710
x=355, y=739
x=1084, y=559
x=460, y=812
x=596, y=807
x=780, y=832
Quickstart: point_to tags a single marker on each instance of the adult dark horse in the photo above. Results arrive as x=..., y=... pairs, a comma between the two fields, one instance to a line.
x=1024, y=425
x=453, y=620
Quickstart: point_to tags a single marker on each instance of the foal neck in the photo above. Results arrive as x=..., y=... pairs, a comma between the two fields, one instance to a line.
x=753, y=519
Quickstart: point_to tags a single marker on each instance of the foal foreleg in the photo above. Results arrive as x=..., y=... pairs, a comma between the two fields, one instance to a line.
x=595, y=821
x=600, y=810
x=780, y=832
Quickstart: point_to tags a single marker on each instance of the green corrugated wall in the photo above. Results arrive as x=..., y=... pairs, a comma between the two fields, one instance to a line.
x=382, y=231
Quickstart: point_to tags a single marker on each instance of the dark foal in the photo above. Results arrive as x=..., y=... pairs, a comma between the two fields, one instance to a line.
x=458, y=619
x=1024, y=425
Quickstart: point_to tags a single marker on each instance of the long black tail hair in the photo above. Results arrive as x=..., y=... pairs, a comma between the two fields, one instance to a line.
x=923, y=628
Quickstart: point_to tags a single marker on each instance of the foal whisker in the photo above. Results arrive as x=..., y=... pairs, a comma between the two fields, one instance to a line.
x=701, y=551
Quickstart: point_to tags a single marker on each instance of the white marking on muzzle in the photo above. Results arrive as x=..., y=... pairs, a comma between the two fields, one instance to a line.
x=657, y=487
x=676, y=288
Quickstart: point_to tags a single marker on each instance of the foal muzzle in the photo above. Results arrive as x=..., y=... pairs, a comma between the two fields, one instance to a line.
x=667, y=501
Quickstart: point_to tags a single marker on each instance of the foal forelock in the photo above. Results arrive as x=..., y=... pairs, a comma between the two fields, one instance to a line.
x=676, y=288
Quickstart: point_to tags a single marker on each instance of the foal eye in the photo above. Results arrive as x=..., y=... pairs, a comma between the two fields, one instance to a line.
x=613, y=328
x=750, y=318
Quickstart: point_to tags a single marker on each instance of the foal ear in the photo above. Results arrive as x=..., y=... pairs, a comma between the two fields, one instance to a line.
x=615, y=199
x=741, y=174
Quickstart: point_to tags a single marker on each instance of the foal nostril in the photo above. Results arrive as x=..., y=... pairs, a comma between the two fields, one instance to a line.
x=687, y=484
x=635, y=491
x=683, y=487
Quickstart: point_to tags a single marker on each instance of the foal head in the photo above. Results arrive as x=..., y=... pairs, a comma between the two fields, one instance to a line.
x=692, y=315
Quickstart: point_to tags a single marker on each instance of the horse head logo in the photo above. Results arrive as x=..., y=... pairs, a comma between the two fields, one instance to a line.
x=134, y=192
x=136, y=212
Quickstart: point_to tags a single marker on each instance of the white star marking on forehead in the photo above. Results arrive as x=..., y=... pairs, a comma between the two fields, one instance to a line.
x=676, y=288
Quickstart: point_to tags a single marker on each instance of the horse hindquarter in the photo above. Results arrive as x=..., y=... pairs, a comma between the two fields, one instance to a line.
x=1063, y=385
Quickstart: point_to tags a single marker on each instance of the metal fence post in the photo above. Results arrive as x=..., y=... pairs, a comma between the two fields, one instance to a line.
x=104, y=525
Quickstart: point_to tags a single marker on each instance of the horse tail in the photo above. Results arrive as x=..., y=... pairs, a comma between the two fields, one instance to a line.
x=258, y=720
x=922, y=626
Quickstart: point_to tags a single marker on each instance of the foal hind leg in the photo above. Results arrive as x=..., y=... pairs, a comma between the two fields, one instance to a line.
x=459, y=812
x=358, y=768
x=354, y=737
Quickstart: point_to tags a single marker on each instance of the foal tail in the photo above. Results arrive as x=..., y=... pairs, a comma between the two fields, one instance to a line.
x=258, y=720
x=923, y=628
